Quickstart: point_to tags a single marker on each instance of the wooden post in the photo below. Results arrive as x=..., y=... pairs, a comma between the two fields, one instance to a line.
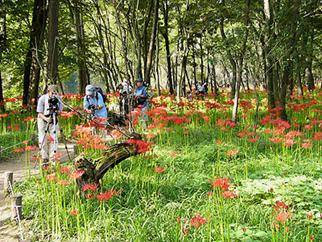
x=8, y=183
x=16, y=207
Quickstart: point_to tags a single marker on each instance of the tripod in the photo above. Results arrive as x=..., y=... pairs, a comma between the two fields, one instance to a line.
x=53, y=122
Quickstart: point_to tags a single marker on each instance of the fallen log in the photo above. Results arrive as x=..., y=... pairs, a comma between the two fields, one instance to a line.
x=92, y=171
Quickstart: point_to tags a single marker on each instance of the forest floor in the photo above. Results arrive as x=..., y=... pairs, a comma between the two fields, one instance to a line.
x=10, y=231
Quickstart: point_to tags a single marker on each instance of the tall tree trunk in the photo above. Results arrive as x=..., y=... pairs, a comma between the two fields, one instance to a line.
x=31, y=77
x=237, y=89
x=284, y=84
x=83, y=73
x=267, y=53
x=3, y=46
x=201, y=60
x=240, y=62
x=147, y=74
x=165, y=34
x=194, y=66
x=214, y=79
x=2, y=104
x=309, y=75
x=37, y=52
x=128, y=70
x=157, y=79
x=52, y=61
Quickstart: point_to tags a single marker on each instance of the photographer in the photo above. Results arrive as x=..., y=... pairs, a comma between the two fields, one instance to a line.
x=94, y=103
x=49, y=106
x=124, y=91
x=141, y=100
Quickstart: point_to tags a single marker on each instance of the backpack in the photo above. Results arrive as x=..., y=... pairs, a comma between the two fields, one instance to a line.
x=100, y=91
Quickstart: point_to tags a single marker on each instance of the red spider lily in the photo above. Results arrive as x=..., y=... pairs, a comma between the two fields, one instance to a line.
x=276, y=140
x=3, y=115
x=159, y=169
x=116, y=134
x=31, y=148
x=19, y=150
x=73, y=212
x=210, y=194
x=278, y=132
x=67, y=115
x=314, y=121
x=280, y=124
x=106, y=195
x=292, y=134
x=57, y=156
x=232, y=152
x=317, y=136
x=309, y=215
x=64, y=183
x=29, y=119
x=253, y=140
x=89, y=187
x=225, y=123
x=312, y=237
x=222, y=183
x=51, y=138
x=51, y=177
x=141, y=146
x=206, y=119
x=230, y=194
x=244, y=133
x=289, y=143
x=283, y=216
x=35, y=158
x=150, y=136
x=308, y=127
x=307, y=144
x=219, y=142
x=197, y=221
x=14, y=127
x=77, y=174
x=64, y=170
x=280, y=205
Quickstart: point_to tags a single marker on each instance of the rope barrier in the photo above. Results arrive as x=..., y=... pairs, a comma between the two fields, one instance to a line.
x=12, y=146
x=21, y=230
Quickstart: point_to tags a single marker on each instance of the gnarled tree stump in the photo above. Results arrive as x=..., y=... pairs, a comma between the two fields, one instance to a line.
x=94, y=170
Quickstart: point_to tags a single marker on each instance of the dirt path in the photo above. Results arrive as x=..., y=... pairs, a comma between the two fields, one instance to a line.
x=9, y=231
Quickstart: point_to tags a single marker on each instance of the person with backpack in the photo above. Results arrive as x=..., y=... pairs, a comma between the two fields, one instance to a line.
x=94, y=102
x=141, y=98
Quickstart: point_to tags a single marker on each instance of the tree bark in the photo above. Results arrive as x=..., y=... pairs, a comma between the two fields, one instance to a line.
x=94, y=171
x=52, y=61
x=231, y=60
x=240, y=62
x=83, y=73
x=147, y=74
x=165, y=34
x=3, y=46
x=32, y=67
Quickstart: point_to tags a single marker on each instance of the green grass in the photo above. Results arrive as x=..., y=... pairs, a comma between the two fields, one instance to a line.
x=159, y=207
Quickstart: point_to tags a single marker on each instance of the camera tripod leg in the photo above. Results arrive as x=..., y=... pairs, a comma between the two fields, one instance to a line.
x=42, y=143
x=65, y=143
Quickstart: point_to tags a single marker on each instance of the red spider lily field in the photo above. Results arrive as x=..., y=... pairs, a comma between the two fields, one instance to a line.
x=197, y=175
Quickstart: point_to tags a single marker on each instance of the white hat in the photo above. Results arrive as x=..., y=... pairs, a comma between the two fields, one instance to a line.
x=89, y=90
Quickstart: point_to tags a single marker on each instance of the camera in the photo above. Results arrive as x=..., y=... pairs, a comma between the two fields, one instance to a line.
x=92, y=107
x=53, y=104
